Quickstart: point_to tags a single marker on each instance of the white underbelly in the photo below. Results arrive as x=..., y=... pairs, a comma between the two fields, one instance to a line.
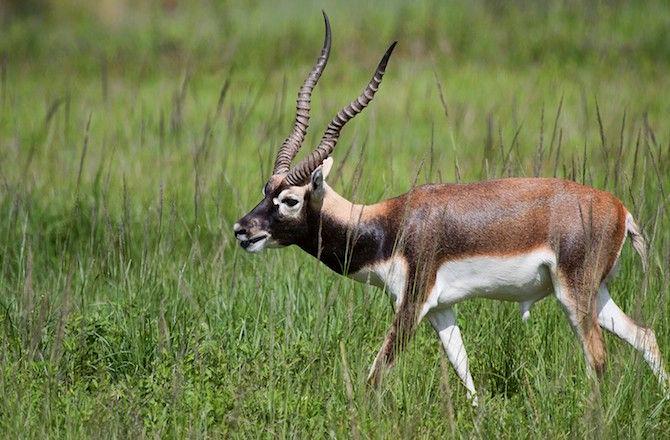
x=521, y=277
x=524, y=278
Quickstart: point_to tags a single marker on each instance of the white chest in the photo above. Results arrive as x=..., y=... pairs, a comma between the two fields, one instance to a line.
x=390, y=275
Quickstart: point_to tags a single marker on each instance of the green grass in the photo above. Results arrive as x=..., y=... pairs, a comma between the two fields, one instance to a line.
x=127, y=310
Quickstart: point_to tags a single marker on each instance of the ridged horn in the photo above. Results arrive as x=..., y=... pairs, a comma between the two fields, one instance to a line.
x=301, y=172
x=293, y=142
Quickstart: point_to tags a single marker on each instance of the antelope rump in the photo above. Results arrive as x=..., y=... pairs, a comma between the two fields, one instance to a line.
x=515, y=239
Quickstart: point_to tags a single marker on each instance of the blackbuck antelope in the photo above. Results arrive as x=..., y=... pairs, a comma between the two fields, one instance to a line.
x=516, y=239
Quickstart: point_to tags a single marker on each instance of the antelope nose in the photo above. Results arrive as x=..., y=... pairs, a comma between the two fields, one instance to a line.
x=238, y=230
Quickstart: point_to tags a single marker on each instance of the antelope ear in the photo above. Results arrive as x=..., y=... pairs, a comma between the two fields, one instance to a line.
x=317, y=186
x=326, y=166
x=318, y=178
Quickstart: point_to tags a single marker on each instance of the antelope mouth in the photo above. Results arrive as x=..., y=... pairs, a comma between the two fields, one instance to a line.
x=256, y=243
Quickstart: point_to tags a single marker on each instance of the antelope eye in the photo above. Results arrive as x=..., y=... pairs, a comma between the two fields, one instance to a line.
x=290, y=202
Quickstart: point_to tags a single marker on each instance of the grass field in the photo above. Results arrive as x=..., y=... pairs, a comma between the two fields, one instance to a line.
x=132, y=138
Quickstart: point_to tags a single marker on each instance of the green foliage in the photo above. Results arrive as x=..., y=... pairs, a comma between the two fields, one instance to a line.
x=131, y=139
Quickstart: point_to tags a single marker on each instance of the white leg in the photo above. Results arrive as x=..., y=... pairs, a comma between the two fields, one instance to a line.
x=444, y=323
x=524, y=308
x=642, y=339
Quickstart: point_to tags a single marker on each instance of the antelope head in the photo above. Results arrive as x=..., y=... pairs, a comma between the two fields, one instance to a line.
x=293, y=195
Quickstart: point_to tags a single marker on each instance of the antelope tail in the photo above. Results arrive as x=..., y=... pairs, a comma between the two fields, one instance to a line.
x=639, y=243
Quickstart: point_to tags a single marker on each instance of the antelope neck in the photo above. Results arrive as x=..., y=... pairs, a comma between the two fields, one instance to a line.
x=347, y=236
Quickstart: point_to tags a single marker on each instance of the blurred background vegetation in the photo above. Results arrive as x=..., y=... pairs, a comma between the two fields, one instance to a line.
x=618, y=32
x=134, y=133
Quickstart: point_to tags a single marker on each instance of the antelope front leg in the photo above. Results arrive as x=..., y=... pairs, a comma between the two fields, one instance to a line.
x=444, y=323
x=402, y=329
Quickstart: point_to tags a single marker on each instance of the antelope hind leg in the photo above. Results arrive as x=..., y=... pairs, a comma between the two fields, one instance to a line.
x=612, y=318
x=579, y=304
